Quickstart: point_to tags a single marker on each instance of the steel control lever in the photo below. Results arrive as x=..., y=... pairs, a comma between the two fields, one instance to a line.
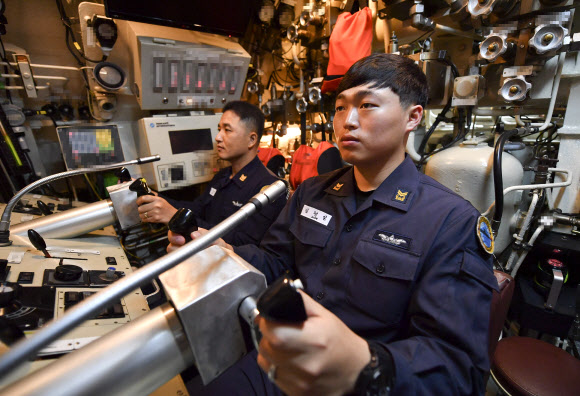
x=123, y=174
x=280, y=302
x=183, y=223
x=38, y=242
x=43, y=208
x=140, y=187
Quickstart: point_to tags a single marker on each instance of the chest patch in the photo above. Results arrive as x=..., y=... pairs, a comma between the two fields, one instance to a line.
x=212, y=191
x=314, y=214
x=390, y=238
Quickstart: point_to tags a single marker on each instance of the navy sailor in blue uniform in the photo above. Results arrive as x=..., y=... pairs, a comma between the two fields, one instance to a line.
x=239, y=132
x=397, y=286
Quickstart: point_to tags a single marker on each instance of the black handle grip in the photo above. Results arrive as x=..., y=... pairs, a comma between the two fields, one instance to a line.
x=43, y=208
x=281, y=302
x=183, y=222
x=38, y=242
x=140, y=187
x=123, y=174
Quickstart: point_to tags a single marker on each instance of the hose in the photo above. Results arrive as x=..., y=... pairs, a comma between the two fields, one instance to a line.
x=498, y=178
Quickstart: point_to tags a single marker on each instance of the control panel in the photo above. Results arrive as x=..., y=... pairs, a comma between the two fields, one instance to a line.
x=181, y=69
x=186, y=146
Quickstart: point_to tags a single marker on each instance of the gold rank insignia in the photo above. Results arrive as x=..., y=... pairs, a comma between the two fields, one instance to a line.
x=338, y=186
x=243, y=177
x=401, y=196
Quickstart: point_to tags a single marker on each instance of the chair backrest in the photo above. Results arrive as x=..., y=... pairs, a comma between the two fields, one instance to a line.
x=500, y=303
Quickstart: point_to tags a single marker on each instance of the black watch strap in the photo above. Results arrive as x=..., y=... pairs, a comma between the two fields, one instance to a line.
x=377, y=377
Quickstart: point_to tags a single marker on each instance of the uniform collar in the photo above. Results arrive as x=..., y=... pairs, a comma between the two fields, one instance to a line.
x=397, y=190
x=248, y=172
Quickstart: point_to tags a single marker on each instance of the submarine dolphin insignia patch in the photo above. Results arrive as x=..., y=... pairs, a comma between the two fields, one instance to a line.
x=485, y=234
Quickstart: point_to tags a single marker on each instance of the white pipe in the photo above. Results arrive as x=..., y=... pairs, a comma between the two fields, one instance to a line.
x=36, y=77
x=561, y=59
x=528, y=219
x=17, y=87
x=411, y=147
x=555, y=87
x=565, y=183
x=44, y=66
x=295, y=53
x=525, y=253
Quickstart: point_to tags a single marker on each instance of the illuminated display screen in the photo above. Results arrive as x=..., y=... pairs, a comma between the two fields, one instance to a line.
x=84, y=146
x=190, y=140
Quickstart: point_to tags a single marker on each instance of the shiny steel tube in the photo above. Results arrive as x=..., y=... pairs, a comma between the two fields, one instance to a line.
x=5, y=221
x=28, y=348
x=135, y=359
x=72, y=223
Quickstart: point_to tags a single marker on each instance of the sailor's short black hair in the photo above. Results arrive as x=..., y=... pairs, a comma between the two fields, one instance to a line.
x=249, y=114
x=396, y=72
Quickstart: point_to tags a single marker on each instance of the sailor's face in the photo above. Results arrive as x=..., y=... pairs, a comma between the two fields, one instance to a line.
x=370, y=124
x=233, y=138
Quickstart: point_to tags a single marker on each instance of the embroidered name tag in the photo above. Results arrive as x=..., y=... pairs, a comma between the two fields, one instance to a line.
x=314, y=214
x=390, y=238
x=212, y=191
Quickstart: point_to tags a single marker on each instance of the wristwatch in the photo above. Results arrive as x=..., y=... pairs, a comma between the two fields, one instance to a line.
x=377, y=377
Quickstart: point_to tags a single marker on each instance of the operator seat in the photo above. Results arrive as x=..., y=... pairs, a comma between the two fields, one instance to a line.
x=526, y=366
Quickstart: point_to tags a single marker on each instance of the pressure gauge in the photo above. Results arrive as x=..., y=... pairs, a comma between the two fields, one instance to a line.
x=109, y=76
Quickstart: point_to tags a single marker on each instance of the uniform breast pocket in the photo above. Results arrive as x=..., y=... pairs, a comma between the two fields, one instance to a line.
x=310, y=240
x=381, y=280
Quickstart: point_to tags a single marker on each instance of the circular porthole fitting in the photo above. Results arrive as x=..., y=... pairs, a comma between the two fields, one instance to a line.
x=109, y=76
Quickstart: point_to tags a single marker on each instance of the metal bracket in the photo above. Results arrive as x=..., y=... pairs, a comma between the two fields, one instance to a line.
x=23, y=62
x=555, y=289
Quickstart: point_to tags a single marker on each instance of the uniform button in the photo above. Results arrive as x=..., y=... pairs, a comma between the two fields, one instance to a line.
x=320, y=295
x=336, y=261
x=348, y=227
x=380, y=269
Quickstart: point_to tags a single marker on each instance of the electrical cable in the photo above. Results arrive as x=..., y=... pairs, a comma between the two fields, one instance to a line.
x=441, y=116
x=92, y=187
x=70, y=35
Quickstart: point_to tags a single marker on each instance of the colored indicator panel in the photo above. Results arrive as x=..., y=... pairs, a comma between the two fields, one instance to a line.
x=90, y=145
x=233, y=83
x=200, y=83
x=187, y=76
x=158, y=68
x=173, y=75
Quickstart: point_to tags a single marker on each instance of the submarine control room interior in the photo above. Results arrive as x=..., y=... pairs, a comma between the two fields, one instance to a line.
x=110, y=107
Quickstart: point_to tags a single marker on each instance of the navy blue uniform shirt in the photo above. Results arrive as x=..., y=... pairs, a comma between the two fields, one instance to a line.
x=404, y=269
x=224, y=196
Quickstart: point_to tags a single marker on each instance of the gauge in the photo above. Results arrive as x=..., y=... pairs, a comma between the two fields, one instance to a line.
x=109, y=75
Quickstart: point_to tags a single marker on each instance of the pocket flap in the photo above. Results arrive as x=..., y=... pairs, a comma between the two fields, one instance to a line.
x=310, y=233
x=477, y=268
x=386, y=262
